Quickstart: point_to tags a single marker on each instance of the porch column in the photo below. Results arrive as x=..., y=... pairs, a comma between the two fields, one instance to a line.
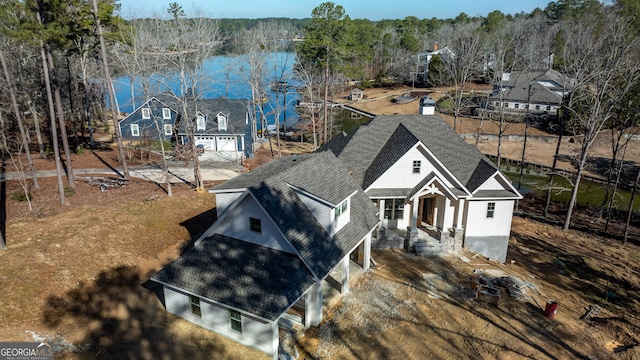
x=447, y=220
x=344, y=283
x=275, y=340
x=313, y=305
x=412, y=229
x=459, y=214
x=381, y=234
x=367, y=252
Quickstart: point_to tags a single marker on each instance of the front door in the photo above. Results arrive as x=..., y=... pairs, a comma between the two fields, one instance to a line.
x=428, y=210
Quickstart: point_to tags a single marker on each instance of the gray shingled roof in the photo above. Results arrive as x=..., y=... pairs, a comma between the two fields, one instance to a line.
x=235, y=109
x=467, y=164
x=391, y=192
x=525, y=87
x=398, y=144
x=239, y=274
x=324, y=176
x=495, y=194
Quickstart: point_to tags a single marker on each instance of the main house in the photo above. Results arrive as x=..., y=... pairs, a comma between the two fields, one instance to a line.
x=429, y=184
x=529, y=92
x=292, y=229
x=282, y=230
x=219, y=125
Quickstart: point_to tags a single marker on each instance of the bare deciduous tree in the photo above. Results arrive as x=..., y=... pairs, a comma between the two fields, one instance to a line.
x=600, y=58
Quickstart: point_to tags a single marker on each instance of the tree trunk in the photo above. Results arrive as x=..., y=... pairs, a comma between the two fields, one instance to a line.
x=71, y=178
x=630, y=208
x=553, y=169
x=326, y=101
x=52, y=117
x=112, y=95
x=576, y=186
x=16, y=110
x=36, y=125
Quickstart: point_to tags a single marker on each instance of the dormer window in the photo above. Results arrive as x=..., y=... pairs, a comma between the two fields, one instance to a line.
x=201, y=123
x=166, y=113
x=146, y=113
x=222, y=122
x=341, y=208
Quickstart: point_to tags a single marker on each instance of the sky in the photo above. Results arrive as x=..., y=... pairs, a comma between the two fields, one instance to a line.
x=356, y=9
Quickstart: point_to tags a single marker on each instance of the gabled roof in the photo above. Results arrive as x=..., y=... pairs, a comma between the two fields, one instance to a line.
x=255, y=279
x=544, y=87
x=323, y=176
x=235, y=111
x=398, y=144
x=362, y=155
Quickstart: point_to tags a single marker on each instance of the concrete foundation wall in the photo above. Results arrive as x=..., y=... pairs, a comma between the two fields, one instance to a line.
x=256, y=334
x=494, y=247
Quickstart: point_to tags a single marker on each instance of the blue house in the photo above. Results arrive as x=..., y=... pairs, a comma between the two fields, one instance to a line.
x=220, y=125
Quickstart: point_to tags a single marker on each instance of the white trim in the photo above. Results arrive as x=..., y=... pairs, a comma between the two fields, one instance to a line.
x=505, y=180
x=146, y=113
x=135, y=130
x=441, y=165
x=166, y=113
x=170, y=128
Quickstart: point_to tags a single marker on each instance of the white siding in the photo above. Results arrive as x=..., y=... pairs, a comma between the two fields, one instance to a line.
x=223, y=200
x=400, y=175
x=477, y=223
x=255, y=334
x=491, y=184
x=236, y=225
x=322, y=212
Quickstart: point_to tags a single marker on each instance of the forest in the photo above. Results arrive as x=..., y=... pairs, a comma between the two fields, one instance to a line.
x=58, y=59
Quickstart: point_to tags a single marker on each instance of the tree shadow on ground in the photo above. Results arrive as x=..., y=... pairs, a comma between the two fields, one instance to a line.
x=197, y=225
x=122, y=320
x=3, y=206
x=558, y=265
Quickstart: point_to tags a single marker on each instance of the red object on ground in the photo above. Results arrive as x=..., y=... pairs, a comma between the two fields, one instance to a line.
x=551, y=309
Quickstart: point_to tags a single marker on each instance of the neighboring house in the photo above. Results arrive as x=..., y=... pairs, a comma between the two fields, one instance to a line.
x=219, y=125
x=535, y=92
x=153, y=120
x=282, y=230
x=426, y=179
x=424, y=58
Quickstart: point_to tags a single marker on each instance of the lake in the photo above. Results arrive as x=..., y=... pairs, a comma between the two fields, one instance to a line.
x=226, y=79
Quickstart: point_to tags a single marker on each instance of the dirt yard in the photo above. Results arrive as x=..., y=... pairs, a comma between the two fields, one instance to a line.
x=77, y=275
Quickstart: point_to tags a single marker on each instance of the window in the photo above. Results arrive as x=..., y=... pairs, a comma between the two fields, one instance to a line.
x=341, y=208
x=168, y=129
x=195, y=305
x=416, y=166
x=537, y=107
x=548, y=107
x=201, y=123
x=497, y=103
x=394, y=209
x=255, y=225
x=166, y=113
x=517, y=106
x=491, y=209
x=236, y=320
x=146, y=113
x=222, y=122
x=135, y=130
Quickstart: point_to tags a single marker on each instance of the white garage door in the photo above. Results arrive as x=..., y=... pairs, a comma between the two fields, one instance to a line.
x=226, y=144
x=207, y=141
